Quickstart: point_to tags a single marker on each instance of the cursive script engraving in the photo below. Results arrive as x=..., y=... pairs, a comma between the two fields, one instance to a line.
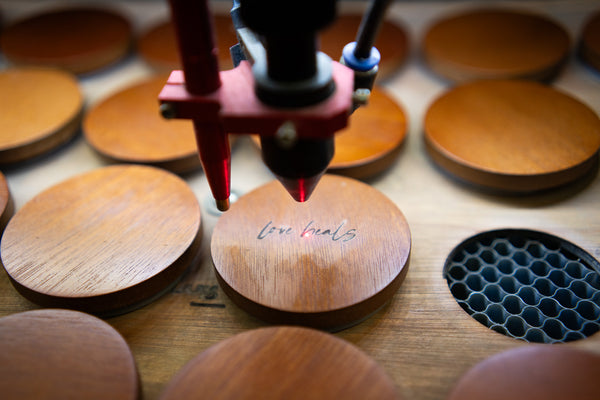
x=338, y=233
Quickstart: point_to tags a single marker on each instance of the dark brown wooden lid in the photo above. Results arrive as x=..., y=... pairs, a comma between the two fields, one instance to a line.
x=62, y=354
x=515, y=136
x=128, y=127
x=158, y=45
x=326, y=263
x=590, y=41
x=496, y=44
x=282, y=363
x=6, y=203
x=105, y=241
x=76, y=39
x=536, y=372
x=35, y=119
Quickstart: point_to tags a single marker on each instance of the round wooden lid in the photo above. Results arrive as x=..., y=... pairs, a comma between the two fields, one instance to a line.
x=590, y=41
x=6, y=203
x=372, y=141
x=510, y=135
x=103, y=242
x=35, y=119
x=327, y=263
x=392, y=41
x=62, y=354
x=496, y=44
x=128, y=127
x=282, y=363
x=158, y=45
x=76, y=39
x=537, y=372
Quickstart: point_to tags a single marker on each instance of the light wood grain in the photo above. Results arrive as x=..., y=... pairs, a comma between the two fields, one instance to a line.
x=496, y=44
x=128, y=127
x=282, y=363
x=590, y=41
x=7, y=206
x=60, y=354
x=516, y=136
x=76, y=39
x=325, y=263
x=104, y=241
x=560, y=373
x=34, y=119
x=158, y=46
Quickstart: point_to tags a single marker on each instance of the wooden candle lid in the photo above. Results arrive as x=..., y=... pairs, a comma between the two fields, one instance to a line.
x=537, y=372
x=496, y=44
x=6, y=204
x=62, y=354
x=327, y=263
x=76, y=39
x=371, y=142
x=158, y=45
x=514, y=136
x=103, y=242
x=128, y=127
x=392, y=41
x=41, y=109
x=590, y=41
x=282, y=363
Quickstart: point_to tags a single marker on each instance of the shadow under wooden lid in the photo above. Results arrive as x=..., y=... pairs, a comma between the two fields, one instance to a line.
x=105, y=241
x=158, y=45
x=535, y=372
x=6, y=203
x=128, y=127
x=62, y=354
x=328, y=263
x=590, y=41
x=282, y=363
x=513, y=136
x=496, y=44
x=78, y=39
x=35, y=118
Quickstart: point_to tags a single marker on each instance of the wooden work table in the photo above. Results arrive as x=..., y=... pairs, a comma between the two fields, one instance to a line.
x=422, y=338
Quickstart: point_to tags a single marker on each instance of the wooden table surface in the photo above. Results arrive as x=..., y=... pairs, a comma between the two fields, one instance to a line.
x=422, y=338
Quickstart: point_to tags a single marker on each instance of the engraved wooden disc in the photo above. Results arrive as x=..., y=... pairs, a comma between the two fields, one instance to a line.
x=327, y=263
x=105, y=241
x=496, y=44
x=34, y=118
x=128, y=127
x=538, y=372
x=62, y=354
x=282, y=363
x=515, y=136
x=392, y=41
x=372, y=140
x=75, y=39
x=590, y=41
x=158, y=45
x=6, y=203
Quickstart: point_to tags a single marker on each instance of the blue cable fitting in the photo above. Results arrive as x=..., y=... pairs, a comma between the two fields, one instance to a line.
x=360, y=64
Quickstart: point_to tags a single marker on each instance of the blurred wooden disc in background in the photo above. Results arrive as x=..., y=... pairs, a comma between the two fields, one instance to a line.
x=535, y=372
x=515, y=136
x=128, y=127
x=327, y=263
x=496, y=44
x=590, y=41
x=79, y=40
x=62, y=354
x=105, y=241
x=41, y=109
x=282, y=363
x=6, y=203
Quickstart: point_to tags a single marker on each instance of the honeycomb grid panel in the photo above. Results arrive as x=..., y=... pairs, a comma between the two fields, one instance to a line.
x=526, y=284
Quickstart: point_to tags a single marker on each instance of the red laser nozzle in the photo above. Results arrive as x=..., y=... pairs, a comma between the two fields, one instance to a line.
x=300, y=189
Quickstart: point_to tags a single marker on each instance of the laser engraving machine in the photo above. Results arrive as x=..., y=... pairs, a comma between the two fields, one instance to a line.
x=282, y=88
